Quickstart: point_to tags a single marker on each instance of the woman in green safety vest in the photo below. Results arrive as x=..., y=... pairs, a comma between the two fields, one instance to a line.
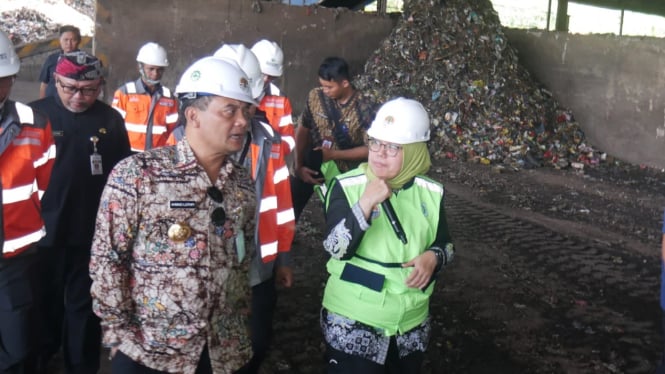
x=388, y=238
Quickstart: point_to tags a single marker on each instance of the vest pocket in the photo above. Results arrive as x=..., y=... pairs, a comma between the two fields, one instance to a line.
x=355, y=274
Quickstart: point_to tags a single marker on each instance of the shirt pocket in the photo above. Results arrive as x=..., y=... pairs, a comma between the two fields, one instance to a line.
x=169, y=337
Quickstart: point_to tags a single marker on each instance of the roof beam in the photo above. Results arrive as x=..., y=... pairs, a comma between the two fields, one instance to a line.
x=642, y=6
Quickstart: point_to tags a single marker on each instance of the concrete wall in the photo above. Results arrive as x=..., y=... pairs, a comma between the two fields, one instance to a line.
x=190, y=29
x=614, y=85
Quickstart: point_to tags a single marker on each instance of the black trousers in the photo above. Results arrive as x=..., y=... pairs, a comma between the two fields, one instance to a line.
x=122, y=364
x=338, y=362
x=300, y=194
x=264, y=301
x=66, y=318
x=660, y=369
x=17, y=312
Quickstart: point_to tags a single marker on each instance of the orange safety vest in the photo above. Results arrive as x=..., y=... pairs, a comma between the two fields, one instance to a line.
x=25, y=170
x=277, y=108
x=276, y=219
x=149, y=119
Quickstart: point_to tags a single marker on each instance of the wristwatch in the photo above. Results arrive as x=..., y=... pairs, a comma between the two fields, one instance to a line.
x=438, y=252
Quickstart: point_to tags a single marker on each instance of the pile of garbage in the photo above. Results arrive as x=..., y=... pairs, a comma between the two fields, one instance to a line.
x=26, y=25
x=28, y=21
x=453, y=56
x=86, y=7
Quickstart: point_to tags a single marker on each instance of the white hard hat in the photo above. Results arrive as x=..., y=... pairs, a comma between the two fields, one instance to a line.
x=401, y=121
x=270, y=57
x=215, y=76
x=247, y=62
x=9, y=61
x=153, y=54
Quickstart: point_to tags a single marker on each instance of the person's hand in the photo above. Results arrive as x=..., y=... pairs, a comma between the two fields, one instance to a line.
x=423, y=268
x=284, y=276
x=375, y=192
x=327, y=153
x=308, y=175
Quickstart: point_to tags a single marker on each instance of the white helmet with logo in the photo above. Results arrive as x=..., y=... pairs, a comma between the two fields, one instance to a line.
x=215, y=76
x=270, y=57
x=247, y=61
x=152, y=54
x=401, y=121
x=9, y=61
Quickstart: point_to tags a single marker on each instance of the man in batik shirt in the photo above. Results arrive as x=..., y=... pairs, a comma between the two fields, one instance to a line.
x=330, y=137
x=174, y=239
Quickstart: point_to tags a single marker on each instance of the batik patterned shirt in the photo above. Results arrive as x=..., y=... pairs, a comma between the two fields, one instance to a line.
x=163, y=298
x=354, y=118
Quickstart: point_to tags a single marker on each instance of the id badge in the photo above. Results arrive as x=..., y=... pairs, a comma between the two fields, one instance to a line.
x=96, y=164
x=327, y=143
x=240, y=245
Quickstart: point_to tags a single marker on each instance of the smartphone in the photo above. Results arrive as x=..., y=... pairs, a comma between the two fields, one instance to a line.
x=313, y=160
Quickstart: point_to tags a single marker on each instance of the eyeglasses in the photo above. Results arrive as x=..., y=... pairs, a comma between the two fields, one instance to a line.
x=218, y=216
x=391, y=149
x=72, y=90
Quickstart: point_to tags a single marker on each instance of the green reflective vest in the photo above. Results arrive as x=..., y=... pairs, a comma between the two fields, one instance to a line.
x=329, y=170
x=396, y=308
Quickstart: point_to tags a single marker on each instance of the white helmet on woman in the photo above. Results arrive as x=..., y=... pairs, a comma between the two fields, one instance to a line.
x=270, y=57
x=152, y=54
x=215, y=76
x=401, y=121
x=247, y=61
x=9, y=61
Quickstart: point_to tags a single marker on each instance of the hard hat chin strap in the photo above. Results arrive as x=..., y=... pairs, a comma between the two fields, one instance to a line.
x=145, y=78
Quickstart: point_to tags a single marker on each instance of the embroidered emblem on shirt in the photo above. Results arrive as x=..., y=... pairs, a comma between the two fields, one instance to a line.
x=338, y=241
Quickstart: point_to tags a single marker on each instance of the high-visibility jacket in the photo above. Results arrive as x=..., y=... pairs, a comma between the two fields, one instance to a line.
x=25, y=170
x=277, y=108
x=392, y=306
x=275, y=219
x=149, y=119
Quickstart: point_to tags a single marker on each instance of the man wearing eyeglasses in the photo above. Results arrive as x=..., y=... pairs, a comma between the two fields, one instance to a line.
x=175, y=237
x=90, y=139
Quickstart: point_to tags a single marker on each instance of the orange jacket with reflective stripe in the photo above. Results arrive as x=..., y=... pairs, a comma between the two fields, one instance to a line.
x=276, y=220
x=277, y=108
x=149, y=119
x=25, y=170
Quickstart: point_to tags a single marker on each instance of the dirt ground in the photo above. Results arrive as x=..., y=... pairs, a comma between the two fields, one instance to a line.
x=556, y=272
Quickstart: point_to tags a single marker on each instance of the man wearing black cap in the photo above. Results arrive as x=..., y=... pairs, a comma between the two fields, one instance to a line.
x=90, y=139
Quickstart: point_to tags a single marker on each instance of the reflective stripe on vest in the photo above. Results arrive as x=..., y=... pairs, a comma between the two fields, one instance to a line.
x=27, y=162
x=275, y=226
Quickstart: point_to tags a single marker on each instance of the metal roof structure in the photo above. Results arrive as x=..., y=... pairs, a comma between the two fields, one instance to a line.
x=653, y=7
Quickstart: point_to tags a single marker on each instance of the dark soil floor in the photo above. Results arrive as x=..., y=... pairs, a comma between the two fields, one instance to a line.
x=556, y=271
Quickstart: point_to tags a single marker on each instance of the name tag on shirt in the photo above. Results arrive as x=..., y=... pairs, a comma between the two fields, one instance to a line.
x=182, y=204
